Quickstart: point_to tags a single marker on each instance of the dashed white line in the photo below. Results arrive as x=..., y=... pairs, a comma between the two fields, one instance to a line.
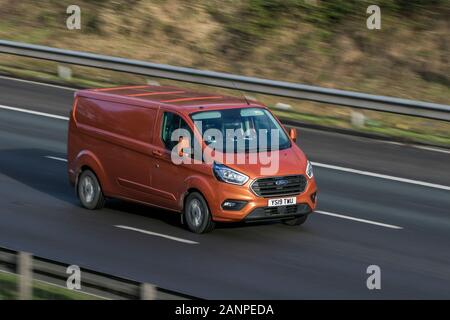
x=383, y=176
x=358, y=219
x=37, y=113
x=56, y=158
x=157, y=234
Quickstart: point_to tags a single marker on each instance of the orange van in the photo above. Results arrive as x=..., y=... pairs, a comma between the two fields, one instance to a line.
x=212, y=158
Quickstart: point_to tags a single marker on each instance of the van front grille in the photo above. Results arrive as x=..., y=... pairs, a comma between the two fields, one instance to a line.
x=261, y=213
x=283, y=210
x=279, y=186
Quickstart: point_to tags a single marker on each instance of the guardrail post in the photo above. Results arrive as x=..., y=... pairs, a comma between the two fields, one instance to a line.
x=64, y=72
x=147, y=291
x=24, y=265
x=357, y=119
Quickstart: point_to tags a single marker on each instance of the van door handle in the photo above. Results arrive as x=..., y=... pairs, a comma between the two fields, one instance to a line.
x=157, y=153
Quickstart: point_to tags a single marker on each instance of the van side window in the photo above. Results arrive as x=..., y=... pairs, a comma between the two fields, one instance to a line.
x=171, y=122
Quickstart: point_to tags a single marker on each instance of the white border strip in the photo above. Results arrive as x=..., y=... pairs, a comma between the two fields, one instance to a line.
x=56, y=158
x=358, y=219
x=37, y=113
x=431, y=149
x=156, y=234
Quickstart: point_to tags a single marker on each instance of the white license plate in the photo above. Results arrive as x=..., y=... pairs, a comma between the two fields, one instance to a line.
x=282, y=202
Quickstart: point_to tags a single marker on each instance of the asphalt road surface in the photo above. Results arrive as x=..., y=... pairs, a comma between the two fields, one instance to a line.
x=380, y=204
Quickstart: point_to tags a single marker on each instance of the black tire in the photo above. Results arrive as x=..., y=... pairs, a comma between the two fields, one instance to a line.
x=197, y=215
x=89, y=191
x=296, y=221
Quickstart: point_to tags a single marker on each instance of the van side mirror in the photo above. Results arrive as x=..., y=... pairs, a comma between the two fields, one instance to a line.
x=293, y=134
x=182, y=145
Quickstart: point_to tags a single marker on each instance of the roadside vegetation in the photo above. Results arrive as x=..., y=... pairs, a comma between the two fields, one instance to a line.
x=41, y=290
x=316, y=42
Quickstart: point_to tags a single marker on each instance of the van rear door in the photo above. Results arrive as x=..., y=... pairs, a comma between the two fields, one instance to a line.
x=121, y=137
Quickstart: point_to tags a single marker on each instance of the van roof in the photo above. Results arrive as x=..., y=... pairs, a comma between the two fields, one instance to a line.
x=178, y=98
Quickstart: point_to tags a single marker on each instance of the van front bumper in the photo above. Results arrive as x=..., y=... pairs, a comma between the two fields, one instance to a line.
x=256, y=208
x=278, y=213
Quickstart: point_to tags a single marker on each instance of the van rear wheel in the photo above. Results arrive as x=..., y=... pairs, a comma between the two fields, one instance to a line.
x=89, y=191
x=296, y=221
x=197, y=215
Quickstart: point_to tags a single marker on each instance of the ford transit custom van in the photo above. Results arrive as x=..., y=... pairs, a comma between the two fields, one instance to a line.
x=210, y=158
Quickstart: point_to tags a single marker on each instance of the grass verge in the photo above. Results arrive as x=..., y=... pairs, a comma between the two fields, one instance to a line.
x=41, y=290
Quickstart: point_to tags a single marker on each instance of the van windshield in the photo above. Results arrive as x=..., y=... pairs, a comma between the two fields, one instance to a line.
x=241, y=130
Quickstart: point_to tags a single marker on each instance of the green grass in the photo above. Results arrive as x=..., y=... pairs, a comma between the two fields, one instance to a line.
x=8, y=286
x=41, y=290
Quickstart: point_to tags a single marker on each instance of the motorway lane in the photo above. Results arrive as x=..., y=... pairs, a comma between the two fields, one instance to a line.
x=326, y=258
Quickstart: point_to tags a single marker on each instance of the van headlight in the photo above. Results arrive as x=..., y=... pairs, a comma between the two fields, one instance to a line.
x=228, y=175
x=309, y=169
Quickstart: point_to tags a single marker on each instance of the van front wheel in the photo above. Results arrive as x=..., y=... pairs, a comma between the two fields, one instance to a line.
x=197, y=215
x=89, y=191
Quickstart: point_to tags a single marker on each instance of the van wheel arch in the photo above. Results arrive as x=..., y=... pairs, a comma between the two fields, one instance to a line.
x=187, y=193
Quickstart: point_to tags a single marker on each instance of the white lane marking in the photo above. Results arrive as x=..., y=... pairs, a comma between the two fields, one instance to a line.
x=358, y=219
x=37, y=113
x=39, y=83
x=56, y=158
x=432, y=149
x=156, y=234
x=383, y=176
x=389, y=142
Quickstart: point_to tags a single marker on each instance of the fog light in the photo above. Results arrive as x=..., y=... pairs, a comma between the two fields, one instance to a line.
x=233, y=205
